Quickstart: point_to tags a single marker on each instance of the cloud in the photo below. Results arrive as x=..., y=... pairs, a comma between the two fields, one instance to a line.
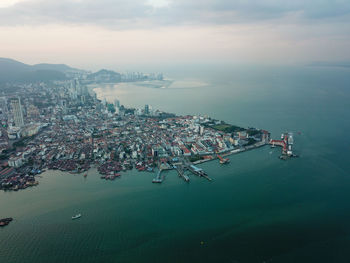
x=174, y=30
x=121, y=14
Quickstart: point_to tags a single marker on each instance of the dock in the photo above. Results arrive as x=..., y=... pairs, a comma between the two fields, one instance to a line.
x=181, y=172
x=181, y=168
x=198, y=171
x=286, y=143
x=158, y=179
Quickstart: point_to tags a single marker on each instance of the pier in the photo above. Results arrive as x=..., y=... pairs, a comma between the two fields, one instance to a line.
x=159, y=178
x=181, y=167
x=198, y=171
x=180, y=170
x=286, y=143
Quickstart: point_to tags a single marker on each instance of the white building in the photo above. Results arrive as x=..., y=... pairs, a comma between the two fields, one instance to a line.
x=15, y=162
x=17, y=111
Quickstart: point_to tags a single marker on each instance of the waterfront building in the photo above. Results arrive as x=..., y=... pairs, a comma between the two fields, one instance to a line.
x=17, y=111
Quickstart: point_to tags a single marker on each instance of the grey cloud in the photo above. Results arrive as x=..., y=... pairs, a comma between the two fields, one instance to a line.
x=137, y=13
x=65, y=11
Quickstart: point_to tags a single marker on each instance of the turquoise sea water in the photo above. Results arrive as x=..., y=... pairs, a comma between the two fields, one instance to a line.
x=257, y=209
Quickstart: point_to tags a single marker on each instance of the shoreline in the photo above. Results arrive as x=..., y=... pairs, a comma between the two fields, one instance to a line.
x=93, y=165
x=233, y=152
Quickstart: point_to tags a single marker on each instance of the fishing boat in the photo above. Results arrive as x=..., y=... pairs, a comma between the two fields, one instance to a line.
x=76, y=216
x=5, y=221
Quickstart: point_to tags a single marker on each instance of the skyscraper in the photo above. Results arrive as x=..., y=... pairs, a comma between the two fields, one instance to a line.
x=146, y=109
x=3, y=107
x=17, y=111
x=117, y=103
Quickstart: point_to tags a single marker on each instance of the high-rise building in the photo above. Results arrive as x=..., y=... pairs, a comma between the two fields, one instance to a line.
x=83, y=99
x=3, y=107
x=117, y=103
x=73, y=90
x=201, y=130
x=146, y=109
x=64, y=106
x=17, y=111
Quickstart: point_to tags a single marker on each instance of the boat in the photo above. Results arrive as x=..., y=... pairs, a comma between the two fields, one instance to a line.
x=85, y=175
x=157, y=180
x=224, y=161
x=5, y=221
x=76, y=216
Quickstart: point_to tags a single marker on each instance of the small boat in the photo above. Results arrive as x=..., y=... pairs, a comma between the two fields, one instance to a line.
x=5, y=221
x=224, y=161
x=85, y=175
x=76, y=216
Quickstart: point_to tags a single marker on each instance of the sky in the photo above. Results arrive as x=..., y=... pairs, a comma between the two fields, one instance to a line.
x=91, y=34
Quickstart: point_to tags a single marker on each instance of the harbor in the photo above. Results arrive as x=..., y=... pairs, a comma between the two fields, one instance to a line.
x=286, y=143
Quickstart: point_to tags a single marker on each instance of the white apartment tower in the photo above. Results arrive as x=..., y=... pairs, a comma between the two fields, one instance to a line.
x=17, y=111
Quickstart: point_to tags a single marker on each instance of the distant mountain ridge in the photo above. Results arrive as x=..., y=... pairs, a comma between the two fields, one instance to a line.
x=105, y=75
x=15, y=71
x=58, y=67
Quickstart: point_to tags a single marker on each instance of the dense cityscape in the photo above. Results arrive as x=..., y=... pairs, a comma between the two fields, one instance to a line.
x=62, y=125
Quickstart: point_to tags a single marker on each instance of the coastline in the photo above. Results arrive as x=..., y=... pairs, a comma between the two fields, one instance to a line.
x=233, y=152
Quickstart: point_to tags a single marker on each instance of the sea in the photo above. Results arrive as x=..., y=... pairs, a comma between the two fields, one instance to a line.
x=258, y=208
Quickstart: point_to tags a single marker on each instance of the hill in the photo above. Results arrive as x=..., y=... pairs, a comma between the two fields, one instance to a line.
x=15, y=71
x=57, y=67
x=105, y=75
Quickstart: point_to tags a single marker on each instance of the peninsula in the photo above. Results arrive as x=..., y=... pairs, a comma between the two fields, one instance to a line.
x=62, y=125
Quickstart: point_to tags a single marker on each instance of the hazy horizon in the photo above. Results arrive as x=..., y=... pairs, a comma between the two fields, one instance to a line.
x=90, y=35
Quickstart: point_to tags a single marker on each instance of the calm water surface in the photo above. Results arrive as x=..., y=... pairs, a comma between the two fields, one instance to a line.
x=257, y=209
